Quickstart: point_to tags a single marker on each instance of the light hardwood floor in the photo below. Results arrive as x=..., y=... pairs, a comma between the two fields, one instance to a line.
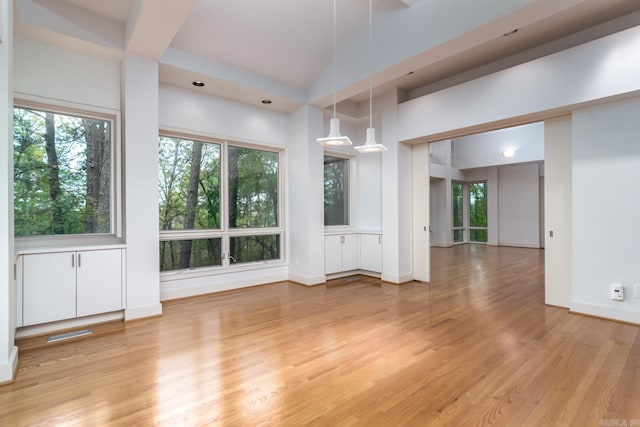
x=476, y=346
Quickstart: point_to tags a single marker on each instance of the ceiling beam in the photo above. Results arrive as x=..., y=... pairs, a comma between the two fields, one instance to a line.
x=153, y=24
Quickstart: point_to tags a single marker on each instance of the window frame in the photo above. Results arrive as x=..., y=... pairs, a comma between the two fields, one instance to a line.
x=115, y=234
x=462, y=227
x=352, y=185
x=224, y=232
x=473, y=227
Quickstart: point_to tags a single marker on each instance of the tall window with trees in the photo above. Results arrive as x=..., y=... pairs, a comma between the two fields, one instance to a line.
x=63, y=173
x=478, y=212
x=202, y=225
x=458, y=212
x=336, y=190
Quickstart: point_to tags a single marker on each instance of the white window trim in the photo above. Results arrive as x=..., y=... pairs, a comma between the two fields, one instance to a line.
x=116, y=185
x=352, y=184
x=225, y=233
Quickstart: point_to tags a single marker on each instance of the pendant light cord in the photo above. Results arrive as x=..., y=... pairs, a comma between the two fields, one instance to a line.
x=334, y=59
x=370, y=66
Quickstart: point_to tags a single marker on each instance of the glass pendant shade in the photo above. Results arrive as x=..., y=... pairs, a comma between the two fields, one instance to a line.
x=370, y=145
x=334, y=139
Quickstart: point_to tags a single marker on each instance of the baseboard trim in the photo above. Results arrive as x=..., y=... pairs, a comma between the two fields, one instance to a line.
x=398, y=280
x=46, y=328
x=307, y=280
x=519, y=245
x=605, y=312
x=142, y=312
x=177, y=292
x=9, y=370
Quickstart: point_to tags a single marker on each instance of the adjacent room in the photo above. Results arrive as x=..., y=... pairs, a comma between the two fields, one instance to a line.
x=321, y=212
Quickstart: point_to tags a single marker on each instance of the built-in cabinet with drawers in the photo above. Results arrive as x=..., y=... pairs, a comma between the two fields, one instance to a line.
x=68, y=284
x=352, y=251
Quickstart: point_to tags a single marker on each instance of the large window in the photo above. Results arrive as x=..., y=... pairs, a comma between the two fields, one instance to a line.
x=336, y=191
x=63, y=173
x=219, y=204
x=458, y=213
x=478, y=212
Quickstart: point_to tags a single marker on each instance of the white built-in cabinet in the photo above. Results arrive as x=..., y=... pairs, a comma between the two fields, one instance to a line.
x=352, y=251
x=371, y=252
x=340, y=253
x=64, y=285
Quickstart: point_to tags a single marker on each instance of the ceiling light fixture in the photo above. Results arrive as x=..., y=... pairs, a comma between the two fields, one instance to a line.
x=508, y=153
x=370, y=145
x=334, y=139
x=266, y=101
x=197, y=83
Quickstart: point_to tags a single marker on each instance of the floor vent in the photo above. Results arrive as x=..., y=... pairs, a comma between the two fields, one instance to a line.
x=68, y=335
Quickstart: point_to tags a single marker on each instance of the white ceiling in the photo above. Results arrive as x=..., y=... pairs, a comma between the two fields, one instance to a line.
x=249, y=50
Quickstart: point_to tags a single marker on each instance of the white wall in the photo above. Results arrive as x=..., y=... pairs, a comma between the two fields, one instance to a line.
x=518, y=205
x=606, y=208
x=305, y=183
x=557, y=211
x=485, y=149
x=53, y=74
x=396, y=208
x=194, y=113
x=8, y=351
x=538, y=89
x=140, y=105
x=440, y=212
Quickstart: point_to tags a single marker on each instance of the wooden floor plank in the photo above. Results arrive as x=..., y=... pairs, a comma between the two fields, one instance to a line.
x=475, y=346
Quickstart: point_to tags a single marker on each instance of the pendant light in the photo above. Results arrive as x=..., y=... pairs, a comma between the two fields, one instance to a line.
x=334, y=139
x=370, y=145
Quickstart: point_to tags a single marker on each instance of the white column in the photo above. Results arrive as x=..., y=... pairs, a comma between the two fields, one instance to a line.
x=558, y=275
x=396, y=195
x=420, y=212
x=306, y=197
x=140, y=117
x=492, y=206
x=8, y=351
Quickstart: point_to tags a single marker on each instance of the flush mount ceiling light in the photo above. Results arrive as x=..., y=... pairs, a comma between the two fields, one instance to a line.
x=370, y=145
x=334, y=139
x=197, y=83
x=508, y=153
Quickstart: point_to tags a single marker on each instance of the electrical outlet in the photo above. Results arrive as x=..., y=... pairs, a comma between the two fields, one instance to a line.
x=617, y=292
x=636, y=290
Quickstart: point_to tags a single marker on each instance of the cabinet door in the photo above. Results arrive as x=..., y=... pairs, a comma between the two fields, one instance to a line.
x=332, y=254
x=350, y=252
x=49, y=287
x=371, y=252
x=99, y=281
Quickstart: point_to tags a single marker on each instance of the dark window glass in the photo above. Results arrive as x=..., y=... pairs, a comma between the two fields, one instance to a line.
x=254, y=248
x=336, y=191
x=183, y=254
x=253, y=188
x=62, y=173
x=189, y=184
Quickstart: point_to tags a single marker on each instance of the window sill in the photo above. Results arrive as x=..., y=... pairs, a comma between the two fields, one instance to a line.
x=40, y=244
x=167, y=276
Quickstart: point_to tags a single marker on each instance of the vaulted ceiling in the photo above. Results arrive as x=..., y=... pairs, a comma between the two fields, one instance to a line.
x=249, y=50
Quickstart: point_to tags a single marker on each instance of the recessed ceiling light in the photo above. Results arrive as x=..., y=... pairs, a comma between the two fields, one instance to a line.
x=510, y=33
x=197, y=83
x=266, y=101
